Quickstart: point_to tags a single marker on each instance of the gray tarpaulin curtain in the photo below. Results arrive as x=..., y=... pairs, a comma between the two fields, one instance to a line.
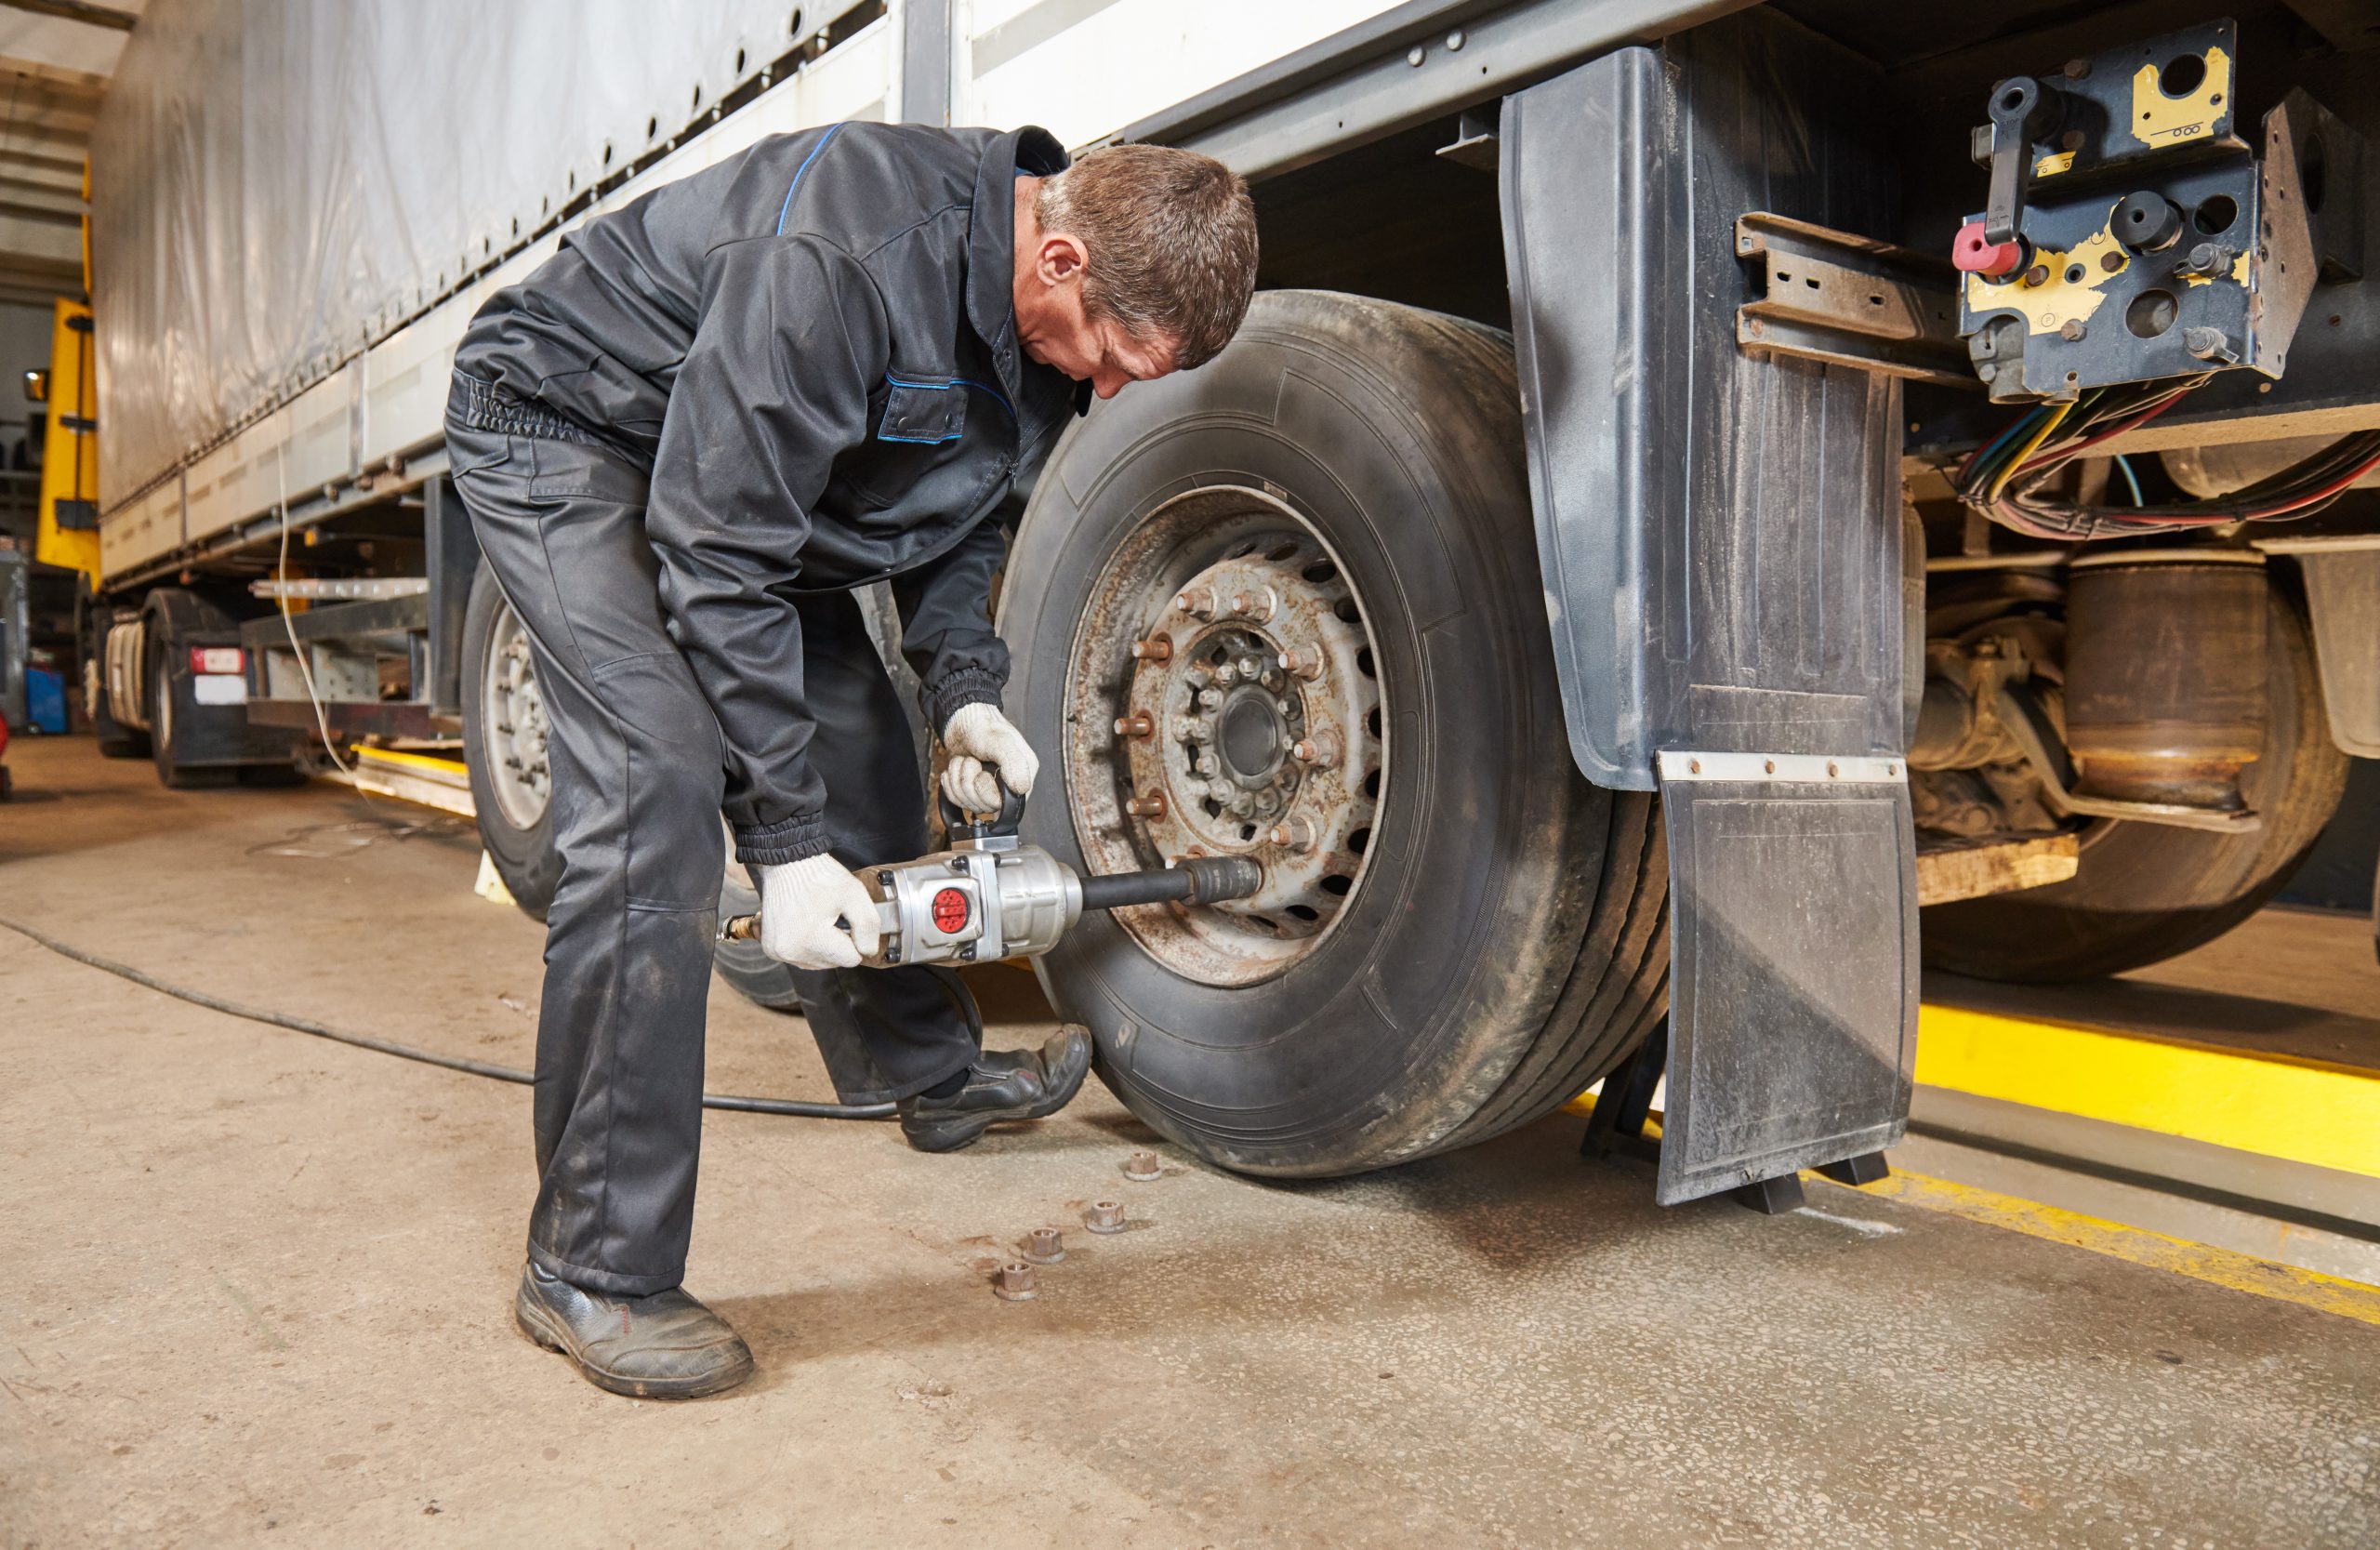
x=276, y=183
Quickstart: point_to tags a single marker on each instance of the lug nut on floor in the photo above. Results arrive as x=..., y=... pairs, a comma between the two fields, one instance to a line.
x=1044, y=1246
x=1016, y=1283
x=1104, y=1216
x=1140, y=1167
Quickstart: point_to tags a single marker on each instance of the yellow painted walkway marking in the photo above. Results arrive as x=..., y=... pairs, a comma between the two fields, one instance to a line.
x=2274, y=1105
x=2217, y=1266
x=418, y=761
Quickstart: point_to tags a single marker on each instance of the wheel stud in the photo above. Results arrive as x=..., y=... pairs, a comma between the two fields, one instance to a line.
x=1321, y=750
x=1137, y=724
x=1156, y=648
x=1150, y=806
x=1198, y=601
x=1256, y=606
x=1300, y=662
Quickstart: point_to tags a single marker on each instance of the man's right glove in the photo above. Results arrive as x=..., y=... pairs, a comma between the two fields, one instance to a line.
x=982, y=741
x=800, y=902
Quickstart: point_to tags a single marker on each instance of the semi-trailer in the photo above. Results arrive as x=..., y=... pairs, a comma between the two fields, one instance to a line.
x=1715, y=504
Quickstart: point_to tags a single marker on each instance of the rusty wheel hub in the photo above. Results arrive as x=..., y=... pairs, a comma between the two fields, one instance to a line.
x=1226, y=701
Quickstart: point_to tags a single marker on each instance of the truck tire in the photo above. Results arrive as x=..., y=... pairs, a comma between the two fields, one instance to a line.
x=115, y=739
x=504, y=747
x=173, y=618
x=2145, y=893
x=1458, y=932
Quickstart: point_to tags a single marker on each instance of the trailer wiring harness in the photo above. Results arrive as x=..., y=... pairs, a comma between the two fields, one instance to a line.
x=2008, y=477
x=787, y=1107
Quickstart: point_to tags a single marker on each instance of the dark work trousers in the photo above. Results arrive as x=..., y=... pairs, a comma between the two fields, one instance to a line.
x=638, y=771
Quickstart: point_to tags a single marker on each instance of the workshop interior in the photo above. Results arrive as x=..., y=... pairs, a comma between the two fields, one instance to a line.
x=1685, y=856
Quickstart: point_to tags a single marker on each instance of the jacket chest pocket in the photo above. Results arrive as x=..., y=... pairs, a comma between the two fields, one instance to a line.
x=920, y=412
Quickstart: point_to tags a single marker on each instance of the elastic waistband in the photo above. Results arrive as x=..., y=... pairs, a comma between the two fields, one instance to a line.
x=482, y=405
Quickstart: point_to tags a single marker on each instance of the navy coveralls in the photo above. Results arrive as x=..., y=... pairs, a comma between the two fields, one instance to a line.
x=683, y=440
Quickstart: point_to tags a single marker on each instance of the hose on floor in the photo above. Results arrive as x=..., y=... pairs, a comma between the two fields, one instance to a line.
x=788, y=1108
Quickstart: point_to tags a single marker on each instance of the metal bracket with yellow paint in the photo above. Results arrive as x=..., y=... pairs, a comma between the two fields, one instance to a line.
x=2152, y=241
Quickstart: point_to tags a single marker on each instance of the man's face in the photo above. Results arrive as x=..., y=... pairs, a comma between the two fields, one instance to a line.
x=1057, y=330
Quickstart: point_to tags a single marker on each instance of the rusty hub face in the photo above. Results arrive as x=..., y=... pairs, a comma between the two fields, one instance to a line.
x=1224, y=700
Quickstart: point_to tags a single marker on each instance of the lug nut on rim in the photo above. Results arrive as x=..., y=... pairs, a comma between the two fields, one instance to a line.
x=1137, y=724
x=1044, y=1246
x=1140, y=1167
x=1104, y=1216
x=1150, y=806
x=1156, y=648
x=1197, y=601
x=1016, y=1283
x=1299, y=662
x=1321, y=750
x=1296, y=833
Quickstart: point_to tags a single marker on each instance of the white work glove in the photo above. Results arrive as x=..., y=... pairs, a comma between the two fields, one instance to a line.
x=799, y=902
x=980, y=738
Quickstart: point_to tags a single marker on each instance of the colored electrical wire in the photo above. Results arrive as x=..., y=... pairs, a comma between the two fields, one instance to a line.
x=2011, y=477
x=2008, y=472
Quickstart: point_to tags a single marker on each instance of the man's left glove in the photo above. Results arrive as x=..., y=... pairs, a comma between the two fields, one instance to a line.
x=799, y=904
x=979, y=739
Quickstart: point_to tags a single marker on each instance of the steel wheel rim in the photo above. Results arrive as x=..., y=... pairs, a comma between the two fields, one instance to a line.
x=1289, y=766
x=513, y=725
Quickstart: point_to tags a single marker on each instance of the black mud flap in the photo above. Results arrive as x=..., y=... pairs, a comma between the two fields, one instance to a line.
x=1793, y=983
x=1721, y=538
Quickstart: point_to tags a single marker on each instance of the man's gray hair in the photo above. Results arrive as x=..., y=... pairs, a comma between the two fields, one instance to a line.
x=1171, y=236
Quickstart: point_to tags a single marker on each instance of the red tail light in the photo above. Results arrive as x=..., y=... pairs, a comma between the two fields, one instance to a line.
x=217, y=659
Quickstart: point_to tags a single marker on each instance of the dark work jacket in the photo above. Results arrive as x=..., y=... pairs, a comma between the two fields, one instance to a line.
x=814, y=347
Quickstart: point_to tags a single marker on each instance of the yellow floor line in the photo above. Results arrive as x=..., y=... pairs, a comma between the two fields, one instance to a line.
x=418, y=761
x=2218, y=1267
x=2274, y=1105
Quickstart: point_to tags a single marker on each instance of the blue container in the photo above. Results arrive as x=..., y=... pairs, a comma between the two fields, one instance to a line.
x=45, y=700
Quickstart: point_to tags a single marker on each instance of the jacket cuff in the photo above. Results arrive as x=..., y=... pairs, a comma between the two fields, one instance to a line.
x=960, y=687
x=797, y=838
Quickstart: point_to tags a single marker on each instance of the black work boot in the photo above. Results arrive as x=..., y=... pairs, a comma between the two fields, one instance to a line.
x=1002, y=1084
x=664, y=1346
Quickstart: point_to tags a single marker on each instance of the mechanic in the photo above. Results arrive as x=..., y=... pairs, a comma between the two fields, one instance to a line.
x=834, y=359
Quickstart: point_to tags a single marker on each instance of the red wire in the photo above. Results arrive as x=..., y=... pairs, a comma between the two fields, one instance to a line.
x=2133, y=423
x=2341, y=482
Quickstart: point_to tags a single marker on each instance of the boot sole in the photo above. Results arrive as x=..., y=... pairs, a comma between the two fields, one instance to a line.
x=965, y=1132
x=532, y=1323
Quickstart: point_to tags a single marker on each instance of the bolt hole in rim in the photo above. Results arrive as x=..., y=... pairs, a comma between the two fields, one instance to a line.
x=512, y=712
x=1252, y=758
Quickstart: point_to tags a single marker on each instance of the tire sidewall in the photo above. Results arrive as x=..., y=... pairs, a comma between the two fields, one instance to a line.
x=526, y=858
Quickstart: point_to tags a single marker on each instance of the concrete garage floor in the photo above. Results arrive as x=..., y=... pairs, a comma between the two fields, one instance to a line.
x=257, y=1292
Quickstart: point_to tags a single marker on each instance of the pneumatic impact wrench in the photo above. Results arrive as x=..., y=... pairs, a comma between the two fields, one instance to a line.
x=992, y=897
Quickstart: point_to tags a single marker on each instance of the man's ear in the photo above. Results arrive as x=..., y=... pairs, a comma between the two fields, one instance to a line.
x=1062, y=259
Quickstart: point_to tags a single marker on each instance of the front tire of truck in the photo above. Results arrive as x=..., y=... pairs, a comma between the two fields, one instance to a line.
x=1331, y=527
x=2145, y=893
x=504, y=747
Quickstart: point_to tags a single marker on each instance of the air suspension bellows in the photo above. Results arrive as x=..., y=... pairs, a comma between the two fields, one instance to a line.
x=2165, y=675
